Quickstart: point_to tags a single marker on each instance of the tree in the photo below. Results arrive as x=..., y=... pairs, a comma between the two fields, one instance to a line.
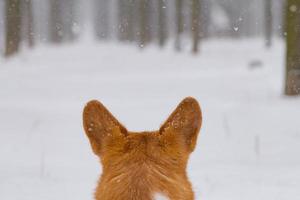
x=293, y=48
x=162, y=29
x=132, y=21
x=101, y=18
x=126, y=13
x=144, y=22
x=195, y=23
x=27, y=15
x=179, y=24
x=56, y=21
x=268, y=22
x=69, y=19
x=13, y=27
x=205, y=10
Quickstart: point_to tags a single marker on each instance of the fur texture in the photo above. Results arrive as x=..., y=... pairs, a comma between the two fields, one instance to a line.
x=138, y=165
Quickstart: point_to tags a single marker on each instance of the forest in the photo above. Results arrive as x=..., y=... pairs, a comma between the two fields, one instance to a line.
x=240, y=59
x=143, y=22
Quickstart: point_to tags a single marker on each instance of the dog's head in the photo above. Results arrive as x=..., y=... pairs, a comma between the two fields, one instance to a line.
x=168, y=147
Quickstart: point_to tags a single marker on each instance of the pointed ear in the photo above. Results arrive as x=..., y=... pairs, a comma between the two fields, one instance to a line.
x=185, y=121
x=99, y=124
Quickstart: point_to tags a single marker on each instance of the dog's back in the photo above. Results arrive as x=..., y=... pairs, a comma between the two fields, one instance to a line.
x=144, y=165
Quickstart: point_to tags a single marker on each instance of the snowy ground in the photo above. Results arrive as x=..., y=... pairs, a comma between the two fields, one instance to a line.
x=249, y=145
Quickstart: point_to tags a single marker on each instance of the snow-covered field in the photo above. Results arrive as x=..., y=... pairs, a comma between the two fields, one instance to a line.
x=250, y=141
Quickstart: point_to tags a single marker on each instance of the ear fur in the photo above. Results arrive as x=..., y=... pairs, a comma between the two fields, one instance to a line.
x=185, y=121
x=99, y=123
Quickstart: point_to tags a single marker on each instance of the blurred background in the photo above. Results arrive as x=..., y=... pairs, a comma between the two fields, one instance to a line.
x=140, y=58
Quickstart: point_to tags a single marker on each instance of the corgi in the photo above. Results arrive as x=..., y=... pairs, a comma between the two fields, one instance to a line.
x=148, y=165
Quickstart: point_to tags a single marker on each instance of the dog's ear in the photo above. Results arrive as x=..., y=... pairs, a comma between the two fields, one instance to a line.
x=99, y=124
x=185, y=122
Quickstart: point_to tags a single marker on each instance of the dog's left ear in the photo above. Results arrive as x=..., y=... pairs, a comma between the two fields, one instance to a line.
x=100, y=126
x=185, y=121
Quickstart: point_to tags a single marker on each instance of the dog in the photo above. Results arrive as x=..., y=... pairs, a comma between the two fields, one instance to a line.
x=146, y=165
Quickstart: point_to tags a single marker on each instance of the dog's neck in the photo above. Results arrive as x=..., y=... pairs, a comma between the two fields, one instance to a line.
x=143, y=181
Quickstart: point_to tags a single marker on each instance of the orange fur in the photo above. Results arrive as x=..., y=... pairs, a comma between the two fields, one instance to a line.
x=137, y=165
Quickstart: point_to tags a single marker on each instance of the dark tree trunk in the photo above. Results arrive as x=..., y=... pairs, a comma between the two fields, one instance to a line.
x=131, y=4
x=101, y=17
x=123, y=10
x=179, y=23
x=144, y=23
x=195, y=24
x=162, y=29
x=56, y=21
x=268, y=22
x=293, y=48
x=69, y=19
x=28, y=24
x=127, y=10
x=13, y=27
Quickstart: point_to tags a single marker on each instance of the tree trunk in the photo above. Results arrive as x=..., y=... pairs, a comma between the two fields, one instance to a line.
x=27, y=15
x=126, y=19
x=13, y=27
x=179, y=24
x=284, y=11
x=56, y=23
x=144, y=26
x=204, y=22
x=101, y=17
x=162, y=29
x=195, y=24
x=268, y=22
x=70, y=21
x=293, y=48
x=124, y=30
x=131, y=19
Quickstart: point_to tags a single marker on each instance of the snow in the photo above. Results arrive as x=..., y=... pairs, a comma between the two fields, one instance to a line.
x=160, y=197
x=248, y=147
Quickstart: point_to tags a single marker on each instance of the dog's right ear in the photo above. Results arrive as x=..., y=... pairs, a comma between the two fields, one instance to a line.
x=99, y=124
x=185, y=122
